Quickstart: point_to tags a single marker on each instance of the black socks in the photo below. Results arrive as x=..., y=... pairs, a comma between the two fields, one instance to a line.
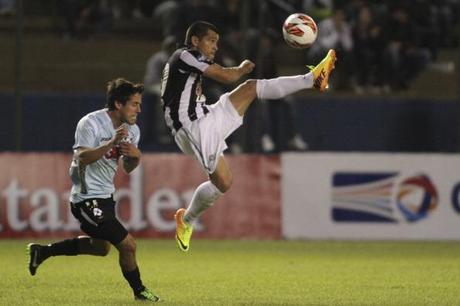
x=134, y=280
x=67, y=247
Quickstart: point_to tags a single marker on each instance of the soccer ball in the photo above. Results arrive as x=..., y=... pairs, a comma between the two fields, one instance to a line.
x=299, y=31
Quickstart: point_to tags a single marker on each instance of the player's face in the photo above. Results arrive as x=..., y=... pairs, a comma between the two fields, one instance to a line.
x=207, y=45
x=131, y=109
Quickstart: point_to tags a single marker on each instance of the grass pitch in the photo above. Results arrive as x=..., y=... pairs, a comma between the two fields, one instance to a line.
x=244, y=273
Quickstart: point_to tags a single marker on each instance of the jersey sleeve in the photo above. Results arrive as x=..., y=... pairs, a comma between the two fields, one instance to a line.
x=193, y=61
x=85, y=135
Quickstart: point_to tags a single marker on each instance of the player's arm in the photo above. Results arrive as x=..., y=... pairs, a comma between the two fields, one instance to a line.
x=228, y=75
x=131, y=156
x=88, y=156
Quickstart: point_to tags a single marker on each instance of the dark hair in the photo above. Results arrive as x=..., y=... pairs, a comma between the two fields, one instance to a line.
x=121, y=90
x=198, y=29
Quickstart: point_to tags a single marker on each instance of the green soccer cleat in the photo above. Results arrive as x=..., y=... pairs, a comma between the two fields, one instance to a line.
x=35, y=258
x=147, y=295
x=322, y=71
x=183, y=230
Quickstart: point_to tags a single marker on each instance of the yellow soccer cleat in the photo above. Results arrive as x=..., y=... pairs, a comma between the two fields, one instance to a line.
x=322, y=71
x=183, y=230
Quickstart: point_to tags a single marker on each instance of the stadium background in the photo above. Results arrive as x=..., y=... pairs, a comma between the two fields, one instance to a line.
x=375, y=157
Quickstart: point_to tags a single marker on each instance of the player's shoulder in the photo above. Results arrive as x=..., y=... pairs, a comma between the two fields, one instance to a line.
x=193, y=52
x=186, y=54
x=94, y=116
x=93, y=119
x=177, y=54
x=193, y=57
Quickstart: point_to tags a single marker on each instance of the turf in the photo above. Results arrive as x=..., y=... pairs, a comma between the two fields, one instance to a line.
x=244, y=273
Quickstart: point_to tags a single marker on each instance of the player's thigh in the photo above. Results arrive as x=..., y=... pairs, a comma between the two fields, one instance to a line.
x=242, y=96
x=222, y=177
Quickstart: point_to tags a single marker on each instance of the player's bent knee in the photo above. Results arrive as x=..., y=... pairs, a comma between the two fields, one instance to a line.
x=250, y=84
x=224, y=184
x=128, y=245
x=250, y=89
x=131, y=247
x=244, y=93
x=228, y=183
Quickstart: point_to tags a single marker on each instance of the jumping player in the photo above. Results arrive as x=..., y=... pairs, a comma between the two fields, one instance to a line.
x=200, y=130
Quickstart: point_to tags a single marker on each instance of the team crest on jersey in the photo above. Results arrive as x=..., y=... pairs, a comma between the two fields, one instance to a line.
x=200, y=98
x=114, y=153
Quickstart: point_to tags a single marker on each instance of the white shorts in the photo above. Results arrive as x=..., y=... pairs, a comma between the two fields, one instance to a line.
x=204, y=139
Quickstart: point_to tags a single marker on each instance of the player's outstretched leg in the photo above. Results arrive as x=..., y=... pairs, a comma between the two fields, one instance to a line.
x=36, y=257
x=280, y=87
x=183, y=230
x=68, y=247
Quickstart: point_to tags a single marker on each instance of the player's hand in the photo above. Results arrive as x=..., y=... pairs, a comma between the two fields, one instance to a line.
x=128, y=150
x=247, y=66
x=120, y=133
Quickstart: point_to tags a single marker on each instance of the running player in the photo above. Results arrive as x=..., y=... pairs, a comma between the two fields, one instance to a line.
x=101, y=138
x=200, y=130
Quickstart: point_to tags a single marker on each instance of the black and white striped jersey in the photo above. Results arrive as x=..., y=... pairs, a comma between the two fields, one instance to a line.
x=181, y=88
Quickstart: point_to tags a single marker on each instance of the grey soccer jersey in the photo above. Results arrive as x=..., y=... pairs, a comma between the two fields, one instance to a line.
x=96, y=179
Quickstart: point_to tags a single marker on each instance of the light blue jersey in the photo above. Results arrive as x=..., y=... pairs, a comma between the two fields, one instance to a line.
x=96, y=179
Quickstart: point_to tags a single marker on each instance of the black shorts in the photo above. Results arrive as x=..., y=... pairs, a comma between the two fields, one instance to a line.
x=98, y=220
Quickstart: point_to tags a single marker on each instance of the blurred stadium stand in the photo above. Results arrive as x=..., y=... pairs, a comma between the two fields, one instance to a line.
x=341, y=124
x=63, y=75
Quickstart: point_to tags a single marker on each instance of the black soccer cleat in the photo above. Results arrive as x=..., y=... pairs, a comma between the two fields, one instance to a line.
x=35, y=258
